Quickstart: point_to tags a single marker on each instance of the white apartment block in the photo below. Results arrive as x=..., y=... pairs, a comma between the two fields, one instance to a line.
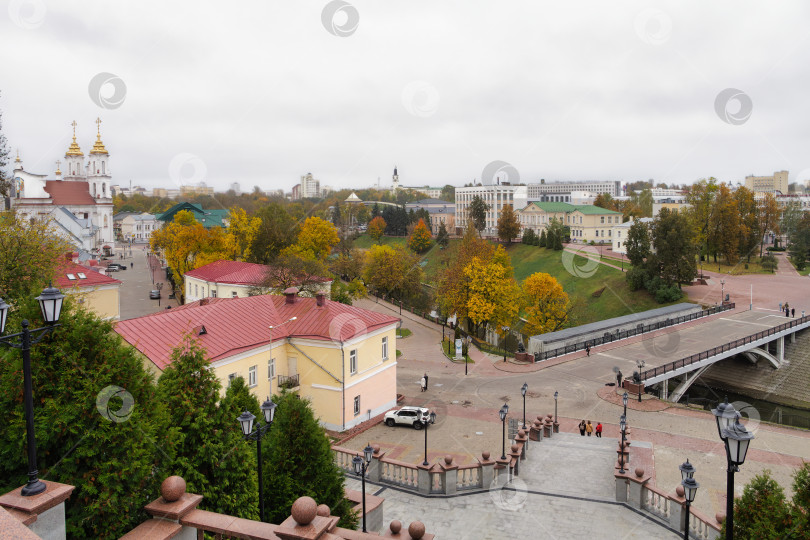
x=310, y=187
x=496, y=196
x=612, y=187
x=768, y=184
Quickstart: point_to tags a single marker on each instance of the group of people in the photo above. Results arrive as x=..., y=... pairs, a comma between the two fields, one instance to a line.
x=587, y=427
x=789, y=311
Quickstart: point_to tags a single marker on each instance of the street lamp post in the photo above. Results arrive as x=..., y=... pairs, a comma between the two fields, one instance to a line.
x=50, y=303
x=736, y=440
x=523, y=393
x=625, y=397
x=622, y=427
x=689, y=491
x=722, y=291
x=360, y=464
x=159, y=286
x=640, y=364
x=503, y=413
x=246, y=423
x=426, y=423
x=556, y=394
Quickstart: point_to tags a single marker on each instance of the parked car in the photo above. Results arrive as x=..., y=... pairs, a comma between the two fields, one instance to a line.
x=115, y=266
x=112, y=268
x=154, y=294
x=409, y=416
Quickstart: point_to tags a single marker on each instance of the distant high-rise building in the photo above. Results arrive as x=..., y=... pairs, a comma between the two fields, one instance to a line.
x=612, y=187
x=768, y=184
x=296, y=192
x=310, y=187
x=235, y=188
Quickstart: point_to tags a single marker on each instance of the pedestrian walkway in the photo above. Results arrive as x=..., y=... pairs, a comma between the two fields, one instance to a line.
x=565, y=490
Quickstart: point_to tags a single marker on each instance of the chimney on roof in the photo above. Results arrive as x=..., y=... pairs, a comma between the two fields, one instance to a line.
x=319, y=299
x=69, y=255
x=204, y=301
x=290, y=294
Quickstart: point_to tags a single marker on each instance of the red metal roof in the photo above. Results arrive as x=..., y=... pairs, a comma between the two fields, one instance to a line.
x=234, y=325
x=236, y=272
x=69, y=192
x=92, y=277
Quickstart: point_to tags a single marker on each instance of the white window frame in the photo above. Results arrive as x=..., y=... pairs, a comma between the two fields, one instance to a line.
x=213, y=293
x=252, y=376
x=233, y=294
x=353, y=361
x=271, y=369
x=231, y=377
x=385, y=348
x=356, y=405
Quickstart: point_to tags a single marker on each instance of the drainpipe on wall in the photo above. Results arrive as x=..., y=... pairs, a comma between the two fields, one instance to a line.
x=343, y=383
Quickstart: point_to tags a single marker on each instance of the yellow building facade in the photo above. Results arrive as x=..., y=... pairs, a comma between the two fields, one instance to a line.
x=94, y=291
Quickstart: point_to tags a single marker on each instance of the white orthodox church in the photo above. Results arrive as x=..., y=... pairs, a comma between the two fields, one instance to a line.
x=79, y=203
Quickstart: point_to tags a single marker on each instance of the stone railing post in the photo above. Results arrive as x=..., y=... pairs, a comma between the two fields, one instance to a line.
x=523, y=441
x=514, y=456
x=677, y=509
x=547, y=427
x=487, y=474
x=449, y=475
x=375, y=467
x=43, y=513
x=536, y=430
x=621, y=486
x=423, y=479
x=637, y=483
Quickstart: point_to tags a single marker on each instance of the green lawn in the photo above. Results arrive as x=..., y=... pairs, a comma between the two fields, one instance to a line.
x=365, y=241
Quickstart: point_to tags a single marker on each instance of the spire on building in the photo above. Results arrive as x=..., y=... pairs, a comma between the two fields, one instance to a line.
x=98, y=148
x=58, y=172
x=74, y=149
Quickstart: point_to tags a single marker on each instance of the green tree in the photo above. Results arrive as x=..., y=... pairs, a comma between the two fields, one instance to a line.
x=421, y=239
x=442, y=238
x=700, y=197
x=29, y=255
x=293, y=270
x=508, y=224
x=477, y=212
x=298, y=462
x=750, y=236
x=556, y=233
x=238, y=398
x=211, y=454
x=529, y=237
x=638, y=243
x=789, y=221
x=543, y=239
x=799, y=246
x=762, y=513
x=114, y=446
x=674, y=260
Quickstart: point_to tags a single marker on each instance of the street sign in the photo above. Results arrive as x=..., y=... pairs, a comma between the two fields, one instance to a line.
x=458, y=349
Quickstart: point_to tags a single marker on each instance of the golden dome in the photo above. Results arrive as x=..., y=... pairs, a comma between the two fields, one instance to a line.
x=98, y=148
x=74, y=149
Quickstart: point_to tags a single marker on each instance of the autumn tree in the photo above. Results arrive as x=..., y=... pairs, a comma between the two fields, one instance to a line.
x=508, y=224
x=29, y=255
x=477, y=213
x=348, y=265
x=393, y=271
x=494, y=295
x=700, y=200
x=243, y=229
x=442, y=238
x=749, y=222
x=606, y=201
x=294, y=270
x=547, y=304
x=768, y=218
x=724, y=225
x=316, y=239
x=376, y=228
x=211, y=454
x=421, y=239
x=452, y=290
x=277, y=230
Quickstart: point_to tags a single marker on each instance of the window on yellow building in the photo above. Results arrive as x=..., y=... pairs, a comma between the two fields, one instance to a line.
x=252, y=376
x=231, y=377
x=356, y=405
x=213, y=293
x=271, y=369
x=233, y=294
x=353, y=361
x=385, y=348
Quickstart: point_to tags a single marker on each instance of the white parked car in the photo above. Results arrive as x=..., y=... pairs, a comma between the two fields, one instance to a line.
x=409, y=416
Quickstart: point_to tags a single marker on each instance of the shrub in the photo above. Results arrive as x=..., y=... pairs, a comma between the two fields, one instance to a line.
x=669, y=293
x=636, y=278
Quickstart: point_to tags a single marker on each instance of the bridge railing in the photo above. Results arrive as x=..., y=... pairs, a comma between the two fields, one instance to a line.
x=609, y=337
x=697, y=357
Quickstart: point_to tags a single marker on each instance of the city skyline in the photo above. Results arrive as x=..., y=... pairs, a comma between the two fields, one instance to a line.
x=347, y=91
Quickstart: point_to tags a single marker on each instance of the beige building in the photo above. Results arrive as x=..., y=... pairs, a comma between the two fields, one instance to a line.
x=538, y=215
x=592, y=224
x=620, y=234
x=198, y=189
x=342, y=358
x=440, y=212
x=768, y=184
x=95, y=291
x=231, y=279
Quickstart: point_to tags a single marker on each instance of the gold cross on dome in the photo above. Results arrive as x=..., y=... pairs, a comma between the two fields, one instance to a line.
x=98, y=123
x=74, y=127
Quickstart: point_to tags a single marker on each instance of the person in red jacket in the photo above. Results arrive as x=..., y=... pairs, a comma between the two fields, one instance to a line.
x=599, y=430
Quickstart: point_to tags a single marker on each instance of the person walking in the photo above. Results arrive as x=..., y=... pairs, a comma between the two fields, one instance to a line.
x=426, y=381
x=589, y=428
x=423, y=383
x=131, y=265
x=599, y=430
x=582, y=428
x=793, y=312
x=587, y=349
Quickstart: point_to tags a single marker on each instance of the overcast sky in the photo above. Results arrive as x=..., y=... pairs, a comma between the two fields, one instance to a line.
x=261, y=92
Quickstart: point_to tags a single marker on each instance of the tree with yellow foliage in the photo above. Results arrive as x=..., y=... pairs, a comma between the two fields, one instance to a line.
x=494, y=296
x=187, y=245
x=392, y=271
x=316, y=239
x=420, y=239
x=547, y=304
x=376, y=228
x=243, y=229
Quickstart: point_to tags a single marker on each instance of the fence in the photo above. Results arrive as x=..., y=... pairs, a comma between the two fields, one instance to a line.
x=609, y=337
x=697, y=357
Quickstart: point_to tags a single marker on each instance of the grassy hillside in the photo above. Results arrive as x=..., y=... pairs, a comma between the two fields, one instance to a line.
x=364, y=241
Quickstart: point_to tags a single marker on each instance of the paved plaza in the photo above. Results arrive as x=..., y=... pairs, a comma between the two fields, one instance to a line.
x=137, y=282
x=565, y=490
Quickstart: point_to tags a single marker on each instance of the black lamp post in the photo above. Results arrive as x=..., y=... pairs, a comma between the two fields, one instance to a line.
x=246, y=422
x=622, y=427
x=625, y=397
x=360, y=465
x=50, y=303
x=523, y=393
x=640, y=364
x=736, y=439
x=425, y=423
x=159, y=286
x=556, y=394
x=502, y=413
x=689, y=491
